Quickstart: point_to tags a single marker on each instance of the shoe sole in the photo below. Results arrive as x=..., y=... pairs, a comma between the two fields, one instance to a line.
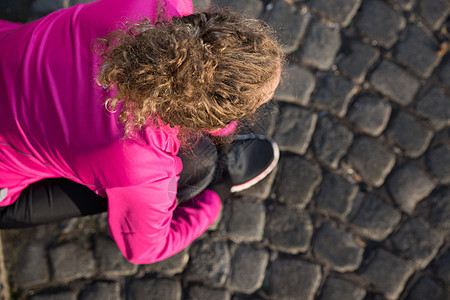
x=276, y=157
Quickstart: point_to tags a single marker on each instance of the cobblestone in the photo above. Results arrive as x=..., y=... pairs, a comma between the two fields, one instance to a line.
x=250, y=8
x=197, y=292
x=289, y=23
x=427, y=289
x=418, y=51
x=435, y=107
x=379, y=22
x=371, y=160
x=154, y=289
x=417, y=241
x=101, y=290
x=298, y=193
x=334, y=94
x=289, y=230
x=248, y=269
x=247, y=221
x=295, y=130
x=394, y=82
x=375, y=219
x=170, y=266
x=344, y=256
x=331, y=141
x=210, y=262
x=262, y=189
x=320, y=46
x=443, y=267
x=297, y=86
x=61, y=295
x=370, y=114
x=70, y=261
x=444, y=73
x=440, y=210
x=357, y=62
x=410, y=135
x=32, y=268
x=439, y=163
x=340, y=11
x=388, y=273
x=434, y=12
x=336, y=288
x=290, y=278
x=45, y=6
x=405, y=4
x=110, y=261
x=336, y=195
x=268, y=115
x=408, y=185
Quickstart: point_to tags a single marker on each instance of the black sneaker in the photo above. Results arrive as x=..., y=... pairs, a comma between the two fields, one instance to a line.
x=251, y=158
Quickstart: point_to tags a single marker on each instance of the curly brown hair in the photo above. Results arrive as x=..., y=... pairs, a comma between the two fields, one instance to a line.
x=197, y=72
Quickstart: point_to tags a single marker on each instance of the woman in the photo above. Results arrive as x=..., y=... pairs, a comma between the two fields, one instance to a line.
x=82, y=124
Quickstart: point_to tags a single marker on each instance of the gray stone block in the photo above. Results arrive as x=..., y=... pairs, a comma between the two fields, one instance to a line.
x=379, y=22
x=371, y=160
x=210, y=262
x=417, y=241
x=110, y=260
x=290, y=278
x=264, y=121
x=336, y=288
x=170, y=266
x=334, y=94
x=443, y=267
x=336, y=195
x=248, y=269
x=435, y=107
x=296, y=86
x=295, y=129
x=249, y=8
x=331, y=141
x=247, y=221
x=375, y=219
x=408, y=185
x=338, y=11
x=388, y=273
x=299, y=179
x=358, y=60
x=154, y=289
x=405, y=4
x=409, y=134
x=370, y=114
x=32, y=268
x=198, y=292
x=438, y=161
x=394, y=82
x=444, y=73
x=70, y=261
x=61, y=295
x=439, y=214
x=434, y=12
x=344, y=256
x=289, y=24
x=101, y=290
x=418, y=52
x=46, y=6
x=74, y=2
x=428, y=289
x=201, y=5
x=289, y=230
x=320, y=46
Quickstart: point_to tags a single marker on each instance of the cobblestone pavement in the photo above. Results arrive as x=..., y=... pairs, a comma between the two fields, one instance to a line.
x=359, y=207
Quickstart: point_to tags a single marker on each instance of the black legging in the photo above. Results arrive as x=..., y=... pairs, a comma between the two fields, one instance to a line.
x=57, y=199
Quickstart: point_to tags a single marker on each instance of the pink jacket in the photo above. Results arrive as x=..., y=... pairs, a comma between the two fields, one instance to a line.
x=53, y=124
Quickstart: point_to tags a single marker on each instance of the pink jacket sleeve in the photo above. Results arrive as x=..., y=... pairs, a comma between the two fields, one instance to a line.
x=148, y=226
